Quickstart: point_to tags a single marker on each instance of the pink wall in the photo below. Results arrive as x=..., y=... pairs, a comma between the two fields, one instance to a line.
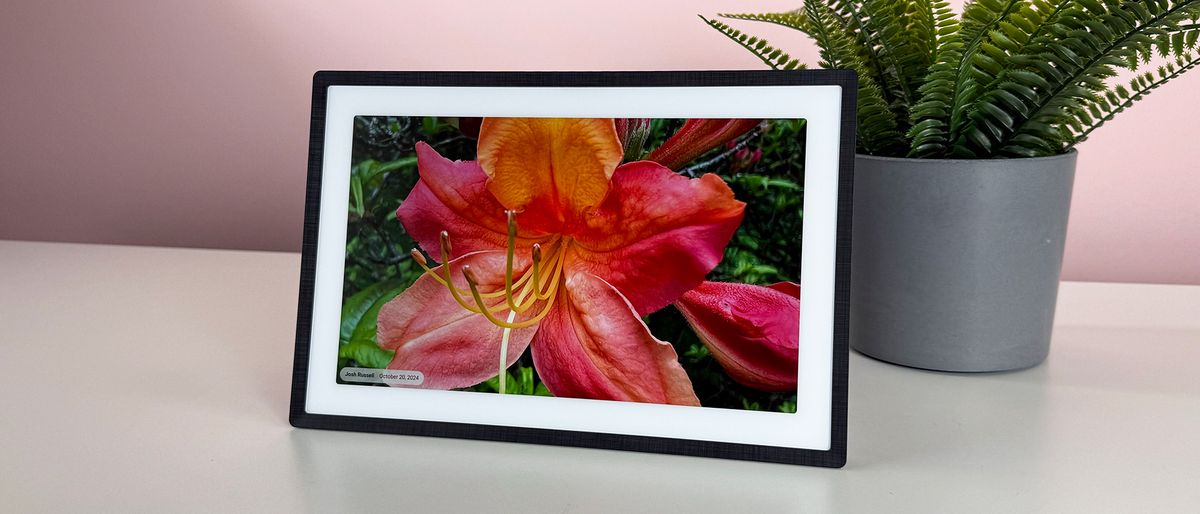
x=185, y=123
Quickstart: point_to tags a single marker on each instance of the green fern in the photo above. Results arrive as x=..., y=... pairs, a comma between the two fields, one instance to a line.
x=1010, y=78
x=1116, y=100
x=878, y=131
x=790, y=19
x=851, y=14
x=933, y=115
x=877, y=121
x=899, y=47
x=968, y=61
x=773, y=57
x=1088, y=45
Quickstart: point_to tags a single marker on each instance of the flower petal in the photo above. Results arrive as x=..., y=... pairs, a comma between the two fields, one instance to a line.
x=593, y=345
x=453, y=196
x=696, y=137
x=556, y=167
x=433, y=334
x=753, y=331
x=657, y=234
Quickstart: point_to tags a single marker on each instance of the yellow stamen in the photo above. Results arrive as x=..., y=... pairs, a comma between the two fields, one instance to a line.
x=533, y=287
x=449, y=282
x=558, y=267
x=424, y=264
x=473, y=283
x=508, y=260
x=539, y=284
x=534, y=290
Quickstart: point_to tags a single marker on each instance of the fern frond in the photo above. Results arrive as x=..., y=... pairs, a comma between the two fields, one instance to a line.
x=773, y=57
x=1004, y=89
x=930, y=127
x=922, y=25
x=877, y=127
x=790, y=19
x=904, y=53
x=1008, y=78
x=868, y=45
x=1086, y=46
x=1117, y=99
x=796, y=20
x=951, y=86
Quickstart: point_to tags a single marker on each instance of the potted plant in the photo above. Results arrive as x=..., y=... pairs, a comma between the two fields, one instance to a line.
x=966, y=135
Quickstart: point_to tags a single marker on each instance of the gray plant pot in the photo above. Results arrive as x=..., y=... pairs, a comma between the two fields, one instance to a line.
x=956, y=262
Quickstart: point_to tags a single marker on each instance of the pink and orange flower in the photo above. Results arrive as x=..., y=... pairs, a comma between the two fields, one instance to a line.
x=548, y=242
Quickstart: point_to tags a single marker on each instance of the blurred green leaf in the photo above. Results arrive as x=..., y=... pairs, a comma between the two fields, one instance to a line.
x=359, y=319
x=376, y=169
x=366, y=354
x=355, y=307
x=788, y=406
x=356, y=191
x=520, y=379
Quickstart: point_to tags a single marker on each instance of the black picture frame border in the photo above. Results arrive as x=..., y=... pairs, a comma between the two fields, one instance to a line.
x=835, y=457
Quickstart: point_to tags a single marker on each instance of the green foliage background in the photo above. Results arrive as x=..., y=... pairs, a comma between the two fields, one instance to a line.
x=765, y=249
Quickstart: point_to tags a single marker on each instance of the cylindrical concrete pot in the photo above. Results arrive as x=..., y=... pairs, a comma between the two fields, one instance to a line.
x=955, y=263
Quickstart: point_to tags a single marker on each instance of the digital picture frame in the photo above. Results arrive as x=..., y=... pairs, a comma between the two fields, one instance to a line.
x=644, y=261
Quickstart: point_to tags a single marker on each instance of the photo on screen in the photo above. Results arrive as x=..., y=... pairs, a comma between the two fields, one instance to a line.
x=629, y=259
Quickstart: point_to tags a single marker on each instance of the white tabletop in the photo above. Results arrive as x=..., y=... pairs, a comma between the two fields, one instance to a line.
x=148, y=379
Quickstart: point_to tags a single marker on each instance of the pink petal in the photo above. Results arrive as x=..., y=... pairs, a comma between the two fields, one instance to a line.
x=433, y=334
x=593, y=345
x=657, y=234
x=753, y=331
x=453, y=196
